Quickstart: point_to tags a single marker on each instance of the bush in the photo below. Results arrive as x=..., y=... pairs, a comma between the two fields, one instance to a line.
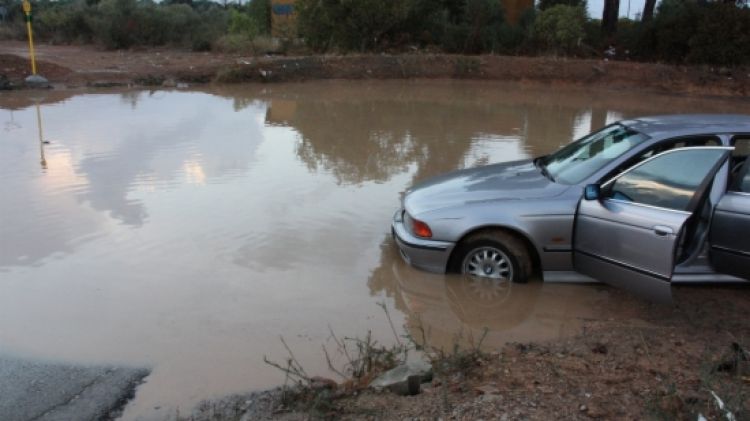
x=470, y=26
x=671, y=30
x=686, y=31
x=347, y=25
x=64, y=23
x=483, y=19
x=560, y=29
x=235, y=44
x=212, y=26
x=125, y=23
x=242, y=24
x=260, y=13
x=722, y=36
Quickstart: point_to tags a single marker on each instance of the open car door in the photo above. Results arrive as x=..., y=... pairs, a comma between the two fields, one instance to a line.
x=729, y=235
x=627, y=232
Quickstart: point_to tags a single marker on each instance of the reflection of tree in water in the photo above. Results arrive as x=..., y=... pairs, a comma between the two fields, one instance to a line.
x=372, y=140
x=131, y=98
x=437, y=308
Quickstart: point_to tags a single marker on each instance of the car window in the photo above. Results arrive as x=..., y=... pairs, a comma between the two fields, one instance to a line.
x=582, y=158
x=668, y=181
x=663, y=146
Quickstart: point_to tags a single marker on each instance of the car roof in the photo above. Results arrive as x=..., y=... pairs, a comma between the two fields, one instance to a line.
x=686, y=124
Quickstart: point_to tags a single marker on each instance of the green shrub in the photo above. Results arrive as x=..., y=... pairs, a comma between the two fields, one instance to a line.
x=722, y=36
x=671, y=30
x=688, y=31
x=260, y=12
x=235, y=44
x=482, y=20
x=242, y=24
x=359, y=25
x=213, y=24
x=560, y=29
x=63, y=23
x=513, y=39
x=114, y=23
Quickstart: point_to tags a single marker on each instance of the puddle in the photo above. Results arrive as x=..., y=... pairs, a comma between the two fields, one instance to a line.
x=188, y=230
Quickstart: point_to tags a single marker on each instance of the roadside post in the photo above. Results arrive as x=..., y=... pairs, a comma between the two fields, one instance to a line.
x=34, y=80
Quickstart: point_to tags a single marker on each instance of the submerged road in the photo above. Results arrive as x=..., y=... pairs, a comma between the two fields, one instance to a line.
x=44, y=391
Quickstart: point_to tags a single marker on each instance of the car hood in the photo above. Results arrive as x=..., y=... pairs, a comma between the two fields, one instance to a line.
x=507, y=181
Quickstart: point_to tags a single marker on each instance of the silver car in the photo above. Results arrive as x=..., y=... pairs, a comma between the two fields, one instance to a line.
x=638, y=204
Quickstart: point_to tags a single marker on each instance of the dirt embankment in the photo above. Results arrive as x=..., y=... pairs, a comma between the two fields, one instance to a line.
x=665, y=363
x=72, y=66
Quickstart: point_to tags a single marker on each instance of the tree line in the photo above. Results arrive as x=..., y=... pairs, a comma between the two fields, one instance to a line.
x=675, y=31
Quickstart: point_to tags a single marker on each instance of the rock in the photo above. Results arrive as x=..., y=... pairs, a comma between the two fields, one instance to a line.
x=487, y=389
x=169, y=83
x=600, y=349
x=320, y=383
x=404, y=379
x=37, y=82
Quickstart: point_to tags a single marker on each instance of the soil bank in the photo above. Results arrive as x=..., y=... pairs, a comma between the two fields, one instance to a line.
x=76, y=66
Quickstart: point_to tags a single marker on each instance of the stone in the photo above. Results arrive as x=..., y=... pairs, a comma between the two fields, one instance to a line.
x=487, y=389
x=320, y=383
x=404, y=379
x=37, y=81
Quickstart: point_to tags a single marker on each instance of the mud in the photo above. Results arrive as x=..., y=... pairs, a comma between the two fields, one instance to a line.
x=75, y=66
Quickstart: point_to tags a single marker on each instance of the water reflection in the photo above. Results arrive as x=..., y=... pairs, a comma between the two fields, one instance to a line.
x=187, y=230
x=448, y=310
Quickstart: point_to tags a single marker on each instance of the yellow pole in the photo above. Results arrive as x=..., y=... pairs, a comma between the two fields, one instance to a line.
x=27, y=11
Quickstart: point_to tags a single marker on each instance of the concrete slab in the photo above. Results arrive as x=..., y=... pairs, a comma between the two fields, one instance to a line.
x=43, y=391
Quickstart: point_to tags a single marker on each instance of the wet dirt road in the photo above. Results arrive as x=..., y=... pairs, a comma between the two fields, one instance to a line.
x=186, y=231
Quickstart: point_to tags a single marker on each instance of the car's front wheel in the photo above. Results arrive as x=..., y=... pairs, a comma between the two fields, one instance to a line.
x=493, y=254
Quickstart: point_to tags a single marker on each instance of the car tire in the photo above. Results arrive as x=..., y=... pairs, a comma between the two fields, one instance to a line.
x=494, y=245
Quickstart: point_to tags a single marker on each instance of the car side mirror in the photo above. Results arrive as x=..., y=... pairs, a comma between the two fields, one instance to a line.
x=592, y=192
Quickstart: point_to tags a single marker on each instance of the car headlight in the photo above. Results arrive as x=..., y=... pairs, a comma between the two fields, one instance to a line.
x=417, y=227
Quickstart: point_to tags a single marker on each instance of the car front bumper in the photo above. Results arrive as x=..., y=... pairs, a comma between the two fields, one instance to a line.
x=424, y=254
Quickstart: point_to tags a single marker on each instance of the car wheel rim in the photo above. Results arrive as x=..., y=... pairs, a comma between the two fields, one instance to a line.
x=488, y=262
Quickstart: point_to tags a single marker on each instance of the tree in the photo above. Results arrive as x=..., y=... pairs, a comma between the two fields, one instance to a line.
x=648, y=10
x=610, y=16
x=546, y=4
x=560, y=28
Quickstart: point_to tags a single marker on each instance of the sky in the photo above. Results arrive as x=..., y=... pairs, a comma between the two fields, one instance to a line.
x=596, y=8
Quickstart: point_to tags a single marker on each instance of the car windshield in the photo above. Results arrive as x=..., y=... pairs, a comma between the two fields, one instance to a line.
x=582, y=158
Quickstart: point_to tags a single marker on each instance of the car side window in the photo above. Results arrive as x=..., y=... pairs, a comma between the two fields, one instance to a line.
x=683, y=142
x=739, y=176
x=668, y=181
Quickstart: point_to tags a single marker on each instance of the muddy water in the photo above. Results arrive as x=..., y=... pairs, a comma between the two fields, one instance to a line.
x=187, y=231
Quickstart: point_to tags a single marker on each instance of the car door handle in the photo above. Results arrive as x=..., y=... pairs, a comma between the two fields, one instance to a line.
x=662, y=230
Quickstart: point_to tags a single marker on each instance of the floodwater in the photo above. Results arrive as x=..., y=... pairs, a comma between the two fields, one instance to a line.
x=187, y=231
